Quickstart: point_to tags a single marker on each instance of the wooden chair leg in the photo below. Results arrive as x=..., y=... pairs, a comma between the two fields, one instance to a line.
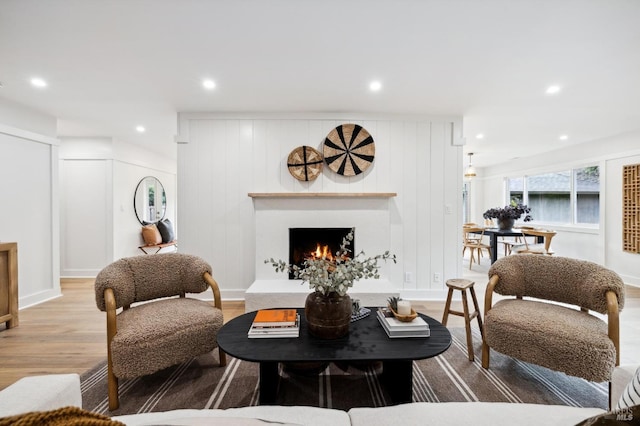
x=471, y=259
x=112, y=386
x=223, y=357
x=485, y=354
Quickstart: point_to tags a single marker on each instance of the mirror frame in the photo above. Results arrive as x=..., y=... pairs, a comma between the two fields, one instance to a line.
x=135, y=196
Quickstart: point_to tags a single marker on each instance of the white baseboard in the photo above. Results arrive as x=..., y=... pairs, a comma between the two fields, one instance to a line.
x=36, y=299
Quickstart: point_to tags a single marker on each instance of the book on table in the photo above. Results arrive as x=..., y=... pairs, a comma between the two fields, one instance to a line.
x=396, y=328
x=275, y=317
x=274, y=331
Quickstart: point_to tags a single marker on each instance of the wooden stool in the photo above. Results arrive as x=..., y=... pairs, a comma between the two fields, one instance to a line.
x=463, y=285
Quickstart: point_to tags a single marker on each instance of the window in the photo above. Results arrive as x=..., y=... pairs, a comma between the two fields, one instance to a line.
x=549, y=196
x=568, y=196
x=587, y=189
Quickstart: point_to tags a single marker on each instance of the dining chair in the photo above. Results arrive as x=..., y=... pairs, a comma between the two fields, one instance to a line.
x=472, y=240
x=537, y=248
x=509, y=245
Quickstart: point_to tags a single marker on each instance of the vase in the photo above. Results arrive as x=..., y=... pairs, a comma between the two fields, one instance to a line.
x=328, y=315
x=506, y=224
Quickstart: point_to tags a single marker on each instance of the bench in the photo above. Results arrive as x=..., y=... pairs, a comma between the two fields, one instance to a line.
x=158, y=247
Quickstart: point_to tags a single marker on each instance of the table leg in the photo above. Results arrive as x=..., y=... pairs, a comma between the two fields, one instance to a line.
x=268, y=383
x=398, y=379
x=494, y=247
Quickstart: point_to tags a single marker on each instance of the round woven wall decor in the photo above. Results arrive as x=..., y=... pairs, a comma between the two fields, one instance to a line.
x=305, y=163
x=349, y=150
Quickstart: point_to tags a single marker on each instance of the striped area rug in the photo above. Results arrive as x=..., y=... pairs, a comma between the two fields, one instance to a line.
x=201, y=383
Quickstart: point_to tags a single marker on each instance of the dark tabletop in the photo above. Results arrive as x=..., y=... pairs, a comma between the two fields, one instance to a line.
x=366, y=341
x=502, y=232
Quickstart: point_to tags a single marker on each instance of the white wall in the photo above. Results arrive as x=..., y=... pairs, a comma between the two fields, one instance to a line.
x=603, y=245
x=224, y=157
x=98, y=181
x=85, y=227
x=29, y=212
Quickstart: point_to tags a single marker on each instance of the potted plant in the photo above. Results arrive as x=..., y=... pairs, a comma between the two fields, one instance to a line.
x=328, y=307
x=507, y=215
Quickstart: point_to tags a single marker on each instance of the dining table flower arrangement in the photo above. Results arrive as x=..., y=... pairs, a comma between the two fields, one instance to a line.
x=328, y=307
x=508, y=214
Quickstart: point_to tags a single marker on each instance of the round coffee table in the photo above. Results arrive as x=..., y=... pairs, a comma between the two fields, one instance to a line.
x=366, y=341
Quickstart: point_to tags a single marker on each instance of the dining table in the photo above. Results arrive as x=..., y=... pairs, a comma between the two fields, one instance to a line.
x=494, y=233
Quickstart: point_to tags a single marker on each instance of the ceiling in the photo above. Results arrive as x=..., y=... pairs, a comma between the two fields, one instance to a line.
x=112, y=65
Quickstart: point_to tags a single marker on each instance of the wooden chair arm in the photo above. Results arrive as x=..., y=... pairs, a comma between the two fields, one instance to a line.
x=613, y=322
x=488, y=294
x=216, y=290
x=112, y=329
x=110, y=303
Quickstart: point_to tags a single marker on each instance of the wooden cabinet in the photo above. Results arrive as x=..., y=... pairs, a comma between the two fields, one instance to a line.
x=9, y=284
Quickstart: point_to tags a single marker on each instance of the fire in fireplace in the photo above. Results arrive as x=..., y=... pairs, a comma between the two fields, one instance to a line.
x=308, y=242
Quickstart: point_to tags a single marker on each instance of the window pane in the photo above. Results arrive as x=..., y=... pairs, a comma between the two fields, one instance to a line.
x=587, y=185
x=550, y=196
x=516, y=187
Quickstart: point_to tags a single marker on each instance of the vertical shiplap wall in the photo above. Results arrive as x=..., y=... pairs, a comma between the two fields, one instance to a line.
x=29, y=214
x=221, y=159
x=85, y=208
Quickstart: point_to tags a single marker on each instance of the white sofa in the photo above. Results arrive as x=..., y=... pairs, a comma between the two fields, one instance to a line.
x=41, y=393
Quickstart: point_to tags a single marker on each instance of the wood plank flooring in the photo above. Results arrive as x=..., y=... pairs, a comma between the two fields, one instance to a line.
x=67, y=334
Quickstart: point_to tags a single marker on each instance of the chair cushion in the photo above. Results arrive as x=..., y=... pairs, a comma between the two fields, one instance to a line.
x=538, y=248
x=156, y=335
x=552, y=336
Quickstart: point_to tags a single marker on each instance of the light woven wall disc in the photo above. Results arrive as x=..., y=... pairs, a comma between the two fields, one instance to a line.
x=305, y=163
x=349, y=150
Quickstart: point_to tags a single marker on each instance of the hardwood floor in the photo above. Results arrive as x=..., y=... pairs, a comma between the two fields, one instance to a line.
x=67, y=334
x=64, y=335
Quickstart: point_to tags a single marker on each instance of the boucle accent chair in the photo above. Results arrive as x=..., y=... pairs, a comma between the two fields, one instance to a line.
x=559, y=337
x=165, y=330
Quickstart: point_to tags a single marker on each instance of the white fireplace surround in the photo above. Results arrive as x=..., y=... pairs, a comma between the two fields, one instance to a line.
x=370, y=217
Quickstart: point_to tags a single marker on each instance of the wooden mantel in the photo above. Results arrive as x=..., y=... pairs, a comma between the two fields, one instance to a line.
x=321, y=194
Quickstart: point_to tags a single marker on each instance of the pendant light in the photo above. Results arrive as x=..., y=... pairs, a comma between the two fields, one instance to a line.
x=470, y=171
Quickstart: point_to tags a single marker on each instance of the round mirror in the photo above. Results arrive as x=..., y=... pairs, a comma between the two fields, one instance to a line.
x=149, y=200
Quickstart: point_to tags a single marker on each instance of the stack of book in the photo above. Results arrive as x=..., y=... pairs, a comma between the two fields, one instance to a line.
x=272, y=323
x=396, y=328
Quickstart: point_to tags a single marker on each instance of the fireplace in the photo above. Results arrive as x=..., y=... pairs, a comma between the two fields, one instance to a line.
x=304, y=242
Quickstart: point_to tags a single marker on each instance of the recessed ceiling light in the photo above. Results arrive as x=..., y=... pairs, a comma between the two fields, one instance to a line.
x=375, y=86
x=38, y=82
x=208, y=84
x=552, y=90
x=563, y=137
x=480, y=136
x=140, y=129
